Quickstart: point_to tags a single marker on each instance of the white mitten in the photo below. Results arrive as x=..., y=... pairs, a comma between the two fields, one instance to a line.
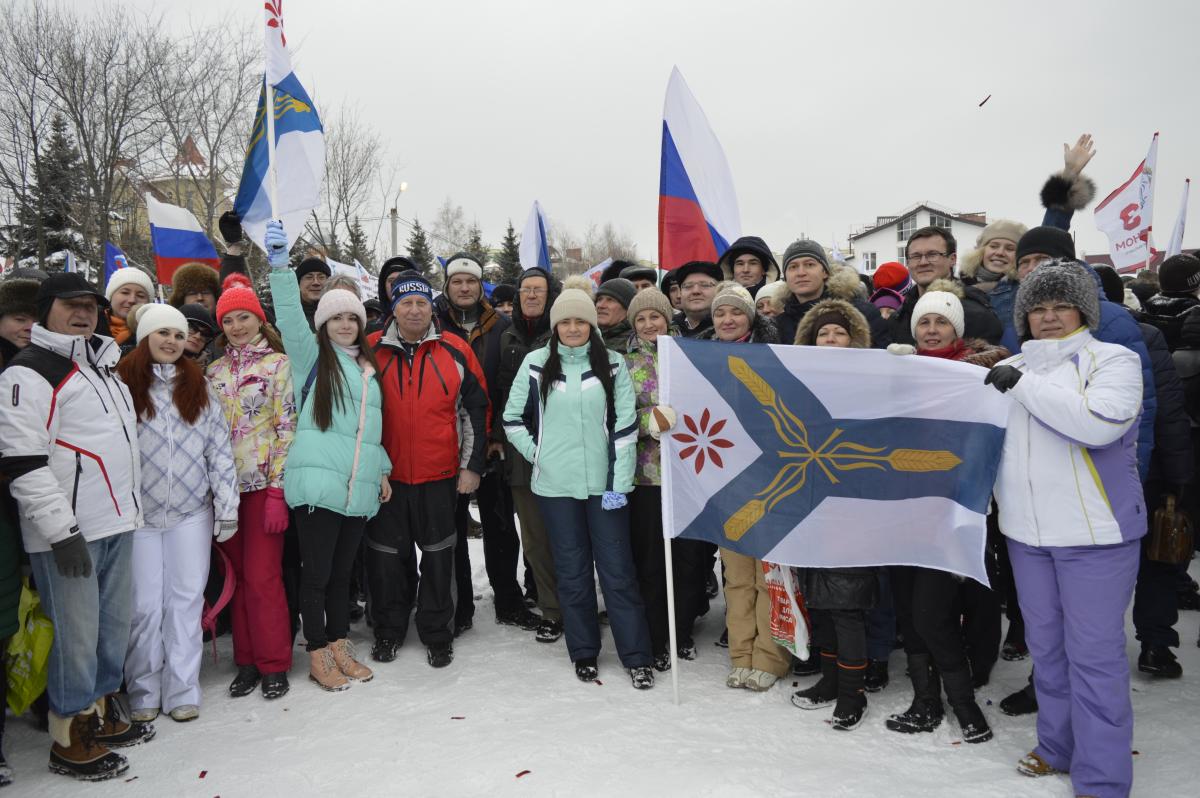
x=224, y=530
x=662, y=419
x=902, y=349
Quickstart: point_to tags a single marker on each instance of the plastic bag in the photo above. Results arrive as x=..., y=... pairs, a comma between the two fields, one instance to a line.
x=789, y=620
x=29, y=652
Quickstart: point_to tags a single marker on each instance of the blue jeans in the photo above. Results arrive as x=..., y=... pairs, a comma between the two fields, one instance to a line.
x=583, y=534
x=91, y=623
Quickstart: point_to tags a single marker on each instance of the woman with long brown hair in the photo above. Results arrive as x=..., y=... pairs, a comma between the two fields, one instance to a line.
x=337, y=470
x=188, y=478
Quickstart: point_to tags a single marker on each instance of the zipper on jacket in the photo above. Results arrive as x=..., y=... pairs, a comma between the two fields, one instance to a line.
x=438, y=372
x=78, y=474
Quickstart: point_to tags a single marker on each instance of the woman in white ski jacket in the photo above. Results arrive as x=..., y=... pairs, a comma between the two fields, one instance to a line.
x=1071, y=506
x=187, y=476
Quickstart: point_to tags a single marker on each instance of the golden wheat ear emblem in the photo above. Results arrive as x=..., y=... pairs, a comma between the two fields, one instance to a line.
x=831, y=457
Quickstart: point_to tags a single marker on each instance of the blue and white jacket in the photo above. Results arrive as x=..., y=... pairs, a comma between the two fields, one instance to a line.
x=187, y=469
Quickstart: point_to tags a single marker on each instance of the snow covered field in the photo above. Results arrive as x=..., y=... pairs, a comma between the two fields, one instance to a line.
x=508, y=717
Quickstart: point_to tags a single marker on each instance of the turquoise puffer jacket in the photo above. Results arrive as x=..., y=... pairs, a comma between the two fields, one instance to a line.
x=341, y=468
x=567, y=440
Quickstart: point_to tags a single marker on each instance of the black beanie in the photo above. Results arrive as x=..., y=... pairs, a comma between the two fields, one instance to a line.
x=504, y=292
x=1052, y=242
x=1179, y=274
x=310, y=265
x=1110, y=281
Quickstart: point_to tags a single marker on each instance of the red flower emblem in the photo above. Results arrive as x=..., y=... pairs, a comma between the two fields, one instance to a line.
x=275, y=7
x=703, y=441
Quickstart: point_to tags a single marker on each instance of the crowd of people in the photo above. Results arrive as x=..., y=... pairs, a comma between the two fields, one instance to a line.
x=320, y=441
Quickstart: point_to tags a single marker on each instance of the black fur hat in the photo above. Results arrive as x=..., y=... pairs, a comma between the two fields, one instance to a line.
x=19, y=296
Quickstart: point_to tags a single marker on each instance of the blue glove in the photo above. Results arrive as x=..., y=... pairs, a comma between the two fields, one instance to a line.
x=275, y=242
x=613, y=500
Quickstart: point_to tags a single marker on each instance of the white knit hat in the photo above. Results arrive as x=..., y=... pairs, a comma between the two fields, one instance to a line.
x=157, y=316
x=943, y=303
x=462, y=263
x=336, y=301
x=573, y=303
x=126, y=276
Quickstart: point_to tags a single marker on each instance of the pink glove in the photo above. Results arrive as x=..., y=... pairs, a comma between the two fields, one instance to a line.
x=276, y=512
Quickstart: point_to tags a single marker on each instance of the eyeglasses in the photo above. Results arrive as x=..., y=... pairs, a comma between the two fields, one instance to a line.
x=532, y=291
x=698, y=286
x=917, y=257
x=1043, y=311
x=198, y=329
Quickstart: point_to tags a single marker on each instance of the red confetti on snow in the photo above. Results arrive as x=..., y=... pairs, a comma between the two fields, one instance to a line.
x=203, y=773
x=523, y=773
x=956, y=742
x=597, y=681
x=1136, y=753
x=132, y=778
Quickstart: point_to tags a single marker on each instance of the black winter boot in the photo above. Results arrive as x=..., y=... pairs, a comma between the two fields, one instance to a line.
x=961, y=695
x=825, y=691
x=925, y=713
x=852, y=698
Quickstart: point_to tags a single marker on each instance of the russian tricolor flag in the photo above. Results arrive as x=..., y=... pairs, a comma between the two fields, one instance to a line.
x=697, y=205
x=177, y=238
x=535, y=246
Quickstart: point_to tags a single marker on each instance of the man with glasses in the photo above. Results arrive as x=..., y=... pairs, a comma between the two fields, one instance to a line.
x=202, y=332
x=932, y=253
x=698, y=282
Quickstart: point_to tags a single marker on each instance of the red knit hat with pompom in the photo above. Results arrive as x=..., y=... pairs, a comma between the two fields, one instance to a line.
x=237, y=293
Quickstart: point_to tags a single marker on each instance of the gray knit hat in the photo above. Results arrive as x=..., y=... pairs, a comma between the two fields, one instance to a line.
x=618, y=288
x=650, y=299
x=1057, y=281
x=805, y=248
x=731, y=293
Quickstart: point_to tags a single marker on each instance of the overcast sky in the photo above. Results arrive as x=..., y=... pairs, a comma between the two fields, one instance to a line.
x=830, y=113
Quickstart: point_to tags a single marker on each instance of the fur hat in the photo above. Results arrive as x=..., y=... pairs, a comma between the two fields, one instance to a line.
x=1008, y=230
x=130, y=275
x=750, y=245
x=1179, y=274
x=805, y=248
x=824, y=312
x=650, y=300
x=893, y=275
x=573, y=303
x=19, y=296
x=1057, y=281
x=942, y=298
x=735, y=295
x=156, y=316
x=336, y=301
x=636, y=271
x=504, y=292
x=463, y=263
x=1052, y=242
x=238, y=294
x=194, y=278
x=704, y=267
x=618, y=288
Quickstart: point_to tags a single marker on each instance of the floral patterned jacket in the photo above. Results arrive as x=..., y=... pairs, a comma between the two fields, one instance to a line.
x=642, y=360
x=254, y=384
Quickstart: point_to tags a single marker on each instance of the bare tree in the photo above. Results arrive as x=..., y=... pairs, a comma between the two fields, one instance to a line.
x=204, y=90
x=448, y=233
x=607, y=241
x=354, y=155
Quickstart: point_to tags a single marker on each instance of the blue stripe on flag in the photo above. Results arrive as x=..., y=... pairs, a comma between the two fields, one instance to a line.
x=673, y=178
x=543, y=246
x=171, y=243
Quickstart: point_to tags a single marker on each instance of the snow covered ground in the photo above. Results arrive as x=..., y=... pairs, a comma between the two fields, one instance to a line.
x=508, y=717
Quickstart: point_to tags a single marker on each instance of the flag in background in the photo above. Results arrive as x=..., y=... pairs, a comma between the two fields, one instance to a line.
x=697, y=206
x=535, y=247
x=368, y=287
x=596, y=272
x=1176, y=245
x=299, y=163
x=1125, y=215
x=114, y=259
x=778, y=456
x=177, y=238
x=837, y=253
x=70, y=262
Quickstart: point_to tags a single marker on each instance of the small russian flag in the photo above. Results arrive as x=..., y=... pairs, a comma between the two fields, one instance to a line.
x=177, y=238
x=697, y=205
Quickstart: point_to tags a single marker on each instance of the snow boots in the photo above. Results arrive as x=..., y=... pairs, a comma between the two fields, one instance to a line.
x=384, y=649
x=246, y=680
x=586, y=670
x=75, y=751
x=643, y=677
x=825, y=691
x=851, y=697
x=116, y=730
x=961, y=695
x=876, y=677
x=440, y=655
x=324, y=671
x=351, y=668
x=925, y=712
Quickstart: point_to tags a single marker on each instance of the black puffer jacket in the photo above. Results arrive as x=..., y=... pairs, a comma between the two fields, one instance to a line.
x=1187, y=365
x=1167, y=312
x=1171, y=460
x=838, y=588
x=979, y=320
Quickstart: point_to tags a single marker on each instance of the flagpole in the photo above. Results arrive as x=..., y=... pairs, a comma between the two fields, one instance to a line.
x=269, y=112
x=671, y=619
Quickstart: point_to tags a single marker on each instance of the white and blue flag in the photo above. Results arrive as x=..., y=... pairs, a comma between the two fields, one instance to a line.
x=535, y=247
x=828, y=457
x=299, y=158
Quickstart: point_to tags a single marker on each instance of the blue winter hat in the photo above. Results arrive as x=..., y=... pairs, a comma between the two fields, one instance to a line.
x=409, y=283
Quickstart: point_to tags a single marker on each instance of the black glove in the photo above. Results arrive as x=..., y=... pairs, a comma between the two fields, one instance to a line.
x=72, y=556
x=231, y=227
x=1003, y=378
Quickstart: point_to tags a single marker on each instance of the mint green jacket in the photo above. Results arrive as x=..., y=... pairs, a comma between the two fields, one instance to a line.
x=341, y=468
x=568, y=440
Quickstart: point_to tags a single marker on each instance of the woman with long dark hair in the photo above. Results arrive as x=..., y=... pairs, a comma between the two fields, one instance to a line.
x=571, y=414
x=188, y=479
x=337, y=470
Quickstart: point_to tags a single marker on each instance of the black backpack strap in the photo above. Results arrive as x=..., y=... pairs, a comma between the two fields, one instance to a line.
x=308, y=383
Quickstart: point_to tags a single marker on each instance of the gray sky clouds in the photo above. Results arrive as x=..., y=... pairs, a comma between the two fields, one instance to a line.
x=829, y=113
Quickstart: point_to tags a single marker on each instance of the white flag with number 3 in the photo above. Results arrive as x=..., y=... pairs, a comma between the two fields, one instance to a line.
x=1125, y=215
